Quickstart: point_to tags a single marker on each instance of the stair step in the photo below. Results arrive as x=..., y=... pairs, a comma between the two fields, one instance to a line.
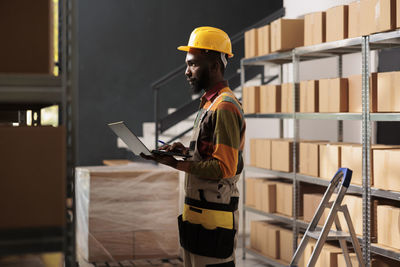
x=333, y=235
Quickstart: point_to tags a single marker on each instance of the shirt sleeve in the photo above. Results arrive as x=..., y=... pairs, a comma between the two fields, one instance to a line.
x=226, y=142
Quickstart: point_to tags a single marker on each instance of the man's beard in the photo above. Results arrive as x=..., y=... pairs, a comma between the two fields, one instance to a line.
x=201, y=82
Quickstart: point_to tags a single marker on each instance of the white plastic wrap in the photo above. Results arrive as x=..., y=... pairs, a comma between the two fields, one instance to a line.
x=127, y=212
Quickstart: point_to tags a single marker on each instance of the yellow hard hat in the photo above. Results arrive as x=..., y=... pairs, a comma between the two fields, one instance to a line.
x=209, y=38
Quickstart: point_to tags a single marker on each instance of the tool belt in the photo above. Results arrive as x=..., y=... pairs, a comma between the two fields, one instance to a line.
x=207, y=228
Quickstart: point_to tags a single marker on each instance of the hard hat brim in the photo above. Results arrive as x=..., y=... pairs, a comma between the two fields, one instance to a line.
x=187, y=48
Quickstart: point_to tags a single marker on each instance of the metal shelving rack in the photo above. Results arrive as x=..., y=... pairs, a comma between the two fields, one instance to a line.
x=338, y=48
x=22, y=92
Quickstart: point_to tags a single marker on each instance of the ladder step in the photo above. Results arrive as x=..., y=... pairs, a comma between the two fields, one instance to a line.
x=333, y=235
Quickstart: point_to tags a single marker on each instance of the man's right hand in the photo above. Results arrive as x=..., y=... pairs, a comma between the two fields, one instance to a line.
x=175, y=147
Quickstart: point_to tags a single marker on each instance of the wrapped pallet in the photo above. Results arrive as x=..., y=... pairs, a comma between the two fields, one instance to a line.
x=127, y=212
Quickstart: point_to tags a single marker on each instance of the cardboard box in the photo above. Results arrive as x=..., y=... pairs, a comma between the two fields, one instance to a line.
x=284, y=198
x=329, y=160
x=388, y=93
x=389, y=226
x=27, y=24
x=263, y=153
x=251, y=99
x=270, y=98
x=264, y=40
x=355, y=93
x=286, y=34
x=377, y=16
x=265, y=194
x=251, y=43
x=253, y=152
x=314, y=28
x=309, y=91
x=352, y=159
x=329, y=256
x=310, y=206
x=33, y=171
x=354, y=19
x=250, y=191
x=337, y=23
x=386, y=169
x=309, y=158
x=282, y=155
x=285, y=245
x=333, y=95
x=269, y=235
x=287, y=98
x=255, y=235
x=353, y=259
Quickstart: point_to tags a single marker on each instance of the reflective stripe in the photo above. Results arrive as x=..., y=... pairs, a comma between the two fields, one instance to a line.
x=209, y=219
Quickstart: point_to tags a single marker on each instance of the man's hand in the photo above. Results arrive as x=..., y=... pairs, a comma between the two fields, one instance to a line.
x=163, y=159
x=176, y=147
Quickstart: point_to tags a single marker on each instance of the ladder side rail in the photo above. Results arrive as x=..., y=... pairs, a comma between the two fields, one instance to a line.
x=342, y=242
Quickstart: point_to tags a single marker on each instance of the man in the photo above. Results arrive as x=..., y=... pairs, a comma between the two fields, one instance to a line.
x=209, y=223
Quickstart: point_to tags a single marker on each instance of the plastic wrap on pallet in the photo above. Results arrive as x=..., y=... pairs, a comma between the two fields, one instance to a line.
x=127, y=212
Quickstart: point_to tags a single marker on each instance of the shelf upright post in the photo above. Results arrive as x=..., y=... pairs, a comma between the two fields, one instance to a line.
x=280, y=82
x=366, y=141
x=296, y=184
x=242, y=82
x=340, y=122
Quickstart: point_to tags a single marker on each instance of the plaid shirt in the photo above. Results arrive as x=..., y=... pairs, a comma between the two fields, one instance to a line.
x=221, y=138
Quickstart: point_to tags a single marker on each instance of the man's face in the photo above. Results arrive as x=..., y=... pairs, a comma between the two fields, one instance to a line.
x=197, y=70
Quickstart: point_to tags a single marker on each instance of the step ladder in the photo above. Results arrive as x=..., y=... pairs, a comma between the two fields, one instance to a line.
x=341, y=180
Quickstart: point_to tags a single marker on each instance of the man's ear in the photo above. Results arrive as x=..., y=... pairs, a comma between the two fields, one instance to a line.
x=215, y=67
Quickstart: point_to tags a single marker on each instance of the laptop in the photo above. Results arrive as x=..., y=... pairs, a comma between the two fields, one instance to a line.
x=134, y=143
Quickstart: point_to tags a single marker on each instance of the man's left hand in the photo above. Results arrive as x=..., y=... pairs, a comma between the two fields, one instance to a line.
x=163, y=159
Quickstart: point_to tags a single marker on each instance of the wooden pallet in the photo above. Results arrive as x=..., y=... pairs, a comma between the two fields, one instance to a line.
x=177, y=262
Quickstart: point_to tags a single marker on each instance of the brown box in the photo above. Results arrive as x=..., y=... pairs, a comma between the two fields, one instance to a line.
x=250, y=191
x=284, y=196
x=286, y=245
x=329, y=256
x=377, y=16
x=309, y=96
x=287, y=98
x=251, y=43
x=269, y=235
x=388, y=93
x=255, y=235
x=282, y=155
x=337, y=23
x=309, y=158
x=310, y=205
x=386, y=169
x=270, y=98
x=353, y=259
x=27, y=28
x=329, y=160
x=32, y=184
x=251, y=99
x=389, y=226
x=355, y=19
x=265, y=194
x=253, y=152
x=286, y=34
x=333, y=95
x=263, y=153
x=264, y=40
x=314, y=28
x=355, y=93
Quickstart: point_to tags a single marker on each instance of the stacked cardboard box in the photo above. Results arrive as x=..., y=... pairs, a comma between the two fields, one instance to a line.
x=284, y=199
x=287, y=98
x=337, y=23
x=270, y=98
x=329, y=160
x=333, y=95
x=310, y=205
x=377, y=16
x=251, y=99
x=110, y=231
x=309, y=96
x=32, y=184
x=388, y=93
x=282, y=155
x=355, y=93
x=260, y=153
x=261, y=194
x=388, y=218
x=264, y=238
x=328, y=257
x=250, y=191
x=386, y=169
x=354, y=19
x=309, y=158
x=314, y=28
x=251, y=43
x=286, y=34
x=264, y=40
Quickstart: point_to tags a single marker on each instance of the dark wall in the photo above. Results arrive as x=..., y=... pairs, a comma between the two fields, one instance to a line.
x=125, y=45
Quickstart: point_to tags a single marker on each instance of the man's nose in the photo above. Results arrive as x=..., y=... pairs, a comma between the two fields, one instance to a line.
x=187, y=72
